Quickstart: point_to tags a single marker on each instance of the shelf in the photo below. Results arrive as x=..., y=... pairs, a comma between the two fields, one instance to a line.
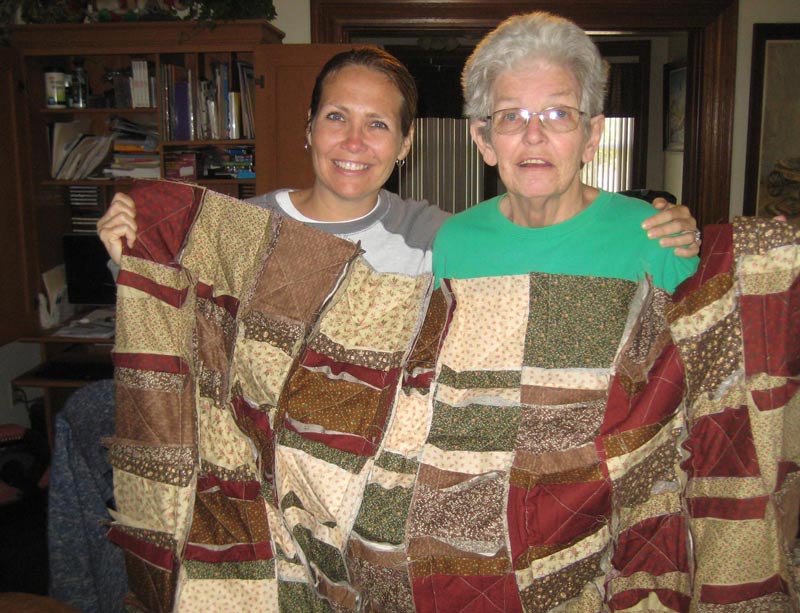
x=106, y=110
x=80, y=361
x=126, y=181
x=217, y=142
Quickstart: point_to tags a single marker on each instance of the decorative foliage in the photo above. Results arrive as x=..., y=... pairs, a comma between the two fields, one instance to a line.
x=224, y=10
x=209, y=12
x=57, y=11
x=77, y=11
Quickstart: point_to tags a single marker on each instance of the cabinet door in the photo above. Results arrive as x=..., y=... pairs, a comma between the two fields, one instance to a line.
x=281, y=110
x=17, y=272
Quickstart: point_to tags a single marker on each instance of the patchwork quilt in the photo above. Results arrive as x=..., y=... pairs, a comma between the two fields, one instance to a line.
x=297, y=432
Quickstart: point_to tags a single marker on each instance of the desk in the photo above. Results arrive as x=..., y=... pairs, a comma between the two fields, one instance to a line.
x=68, y=362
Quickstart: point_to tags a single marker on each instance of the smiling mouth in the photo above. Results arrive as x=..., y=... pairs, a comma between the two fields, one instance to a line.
x=534, y=162
x=344, y=165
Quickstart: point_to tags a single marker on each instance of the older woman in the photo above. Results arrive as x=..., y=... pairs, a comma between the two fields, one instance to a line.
x=534, y=93
x=549, y=478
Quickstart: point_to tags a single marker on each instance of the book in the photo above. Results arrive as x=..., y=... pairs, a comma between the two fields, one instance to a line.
x=85, y=157
x=222, y=87
x=234, y=115
x=182, y=114
x=138, y=173
x=192, y=104
x=65, y=136
x=247, y=90
x=95, y=156
x=140, y=94
x=181, y=165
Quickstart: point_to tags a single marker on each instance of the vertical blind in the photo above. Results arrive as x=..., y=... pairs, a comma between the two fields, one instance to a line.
x=444, y=166
x=612, y=166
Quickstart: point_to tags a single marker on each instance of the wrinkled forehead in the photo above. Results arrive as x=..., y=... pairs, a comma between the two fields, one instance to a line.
x=536, y=78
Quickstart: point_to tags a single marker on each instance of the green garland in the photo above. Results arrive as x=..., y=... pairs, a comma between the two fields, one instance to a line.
x=77, y=11
x=208, y=12
x=225, y=10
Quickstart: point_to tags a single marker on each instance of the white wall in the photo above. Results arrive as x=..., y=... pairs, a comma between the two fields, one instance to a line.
x=15, y=359
x=294, y=18
x=750, y=12
x=659, y=48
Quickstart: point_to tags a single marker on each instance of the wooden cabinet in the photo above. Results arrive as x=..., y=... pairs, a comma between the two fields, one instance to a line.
x=38, y=211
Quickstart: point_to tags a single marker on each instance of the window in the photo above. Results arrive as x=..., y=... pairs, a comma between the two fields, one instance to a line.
x=612, y=166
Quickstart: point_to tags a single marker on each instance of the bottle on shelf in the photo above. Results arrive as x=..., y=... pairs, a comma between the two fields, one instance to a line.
x=55, y=88
x=79, y=86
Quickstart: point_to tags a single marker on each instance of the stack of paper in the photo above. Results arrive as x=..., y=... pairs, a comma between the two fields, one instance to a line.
x=75, y=154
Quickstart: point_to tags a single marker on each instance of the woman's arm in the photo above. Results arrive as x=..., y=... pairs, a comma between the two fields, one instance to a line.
x=674, y=226
x=118, y=222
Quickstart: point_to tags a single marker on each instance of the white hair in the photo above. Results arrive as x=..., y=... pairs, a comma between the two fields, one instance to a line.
x=535, y=36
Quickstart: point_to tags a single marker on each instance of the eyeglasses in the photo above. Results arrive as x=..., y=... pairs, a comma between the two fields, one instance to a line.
x=554, y=119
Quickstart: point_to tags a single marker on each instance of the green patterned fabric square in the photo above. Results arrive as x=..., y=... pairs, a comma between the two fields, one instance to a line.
x=348, y=461
x=255, y=570
x=575, y=322
x=300, y=597
x=474, y=427
x=479, y=379
x=322, y=555
x=383, y=513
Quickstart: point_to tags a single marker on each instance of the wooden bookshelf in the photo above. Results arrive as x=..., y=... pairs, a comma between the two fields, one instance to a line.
x=40, y=214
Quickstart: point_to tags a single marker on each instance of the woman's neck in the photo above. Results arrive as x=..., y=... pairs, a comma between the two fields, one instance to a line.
x=547, y=211
x=323, y=206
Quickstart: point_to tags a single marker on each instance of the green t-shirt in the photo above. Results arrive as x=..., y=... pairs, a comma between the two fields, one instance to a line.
x=604, y=240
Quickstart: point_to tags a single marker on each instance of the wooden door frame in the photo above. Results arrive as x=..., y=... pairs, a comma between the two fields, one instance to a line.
x=712, y=31
x=19, y=278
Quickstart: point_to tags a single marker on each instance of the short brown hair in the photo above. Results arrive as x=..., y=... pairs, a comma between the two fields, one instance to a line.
x=380, y=61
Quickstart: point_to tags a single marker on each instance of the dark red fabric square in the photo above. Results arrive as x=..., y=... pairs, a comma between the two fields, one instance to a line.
x=658, y=400
x=721, y=445
x=728, y=508
x=556, y=513
x=770, y=332
x=165, y=212
x=742, y=592
x=716, y=258
x=656, y=546
x=464, y=594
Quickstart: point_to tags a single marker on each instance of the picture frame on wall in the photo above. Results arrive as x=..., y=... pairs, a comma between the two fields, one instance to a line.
x=772, y=170
x=674, y=105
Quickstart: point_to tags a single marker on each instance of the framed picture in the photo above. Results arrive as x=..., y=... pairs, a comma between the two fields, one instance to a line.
x=772, y=174
x=674, y=105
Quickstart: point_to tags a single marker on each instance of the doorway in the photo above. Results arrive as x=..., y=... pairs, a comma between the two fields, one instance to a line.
x=710, y=27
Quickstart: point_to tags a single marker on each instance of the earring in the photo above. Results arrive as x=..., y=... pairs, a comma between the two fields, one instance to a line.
x=306, y=146
x=400, y=163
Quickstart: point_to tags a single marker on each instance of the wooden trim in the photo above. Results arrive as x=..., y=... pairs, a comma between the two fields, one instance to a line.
x=19, y=254
x=711, y=90
x=711, y=64
x=640, y=49
x=143, y=37
x=333, y=21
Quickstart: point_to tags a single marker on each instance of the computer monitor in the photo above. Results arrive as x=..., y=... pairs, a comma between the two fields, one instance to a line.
x=89, y=281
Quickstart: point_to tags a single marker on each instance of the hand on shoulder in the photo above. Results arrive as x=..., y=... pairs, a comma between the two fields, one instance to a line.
x=674, y=226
